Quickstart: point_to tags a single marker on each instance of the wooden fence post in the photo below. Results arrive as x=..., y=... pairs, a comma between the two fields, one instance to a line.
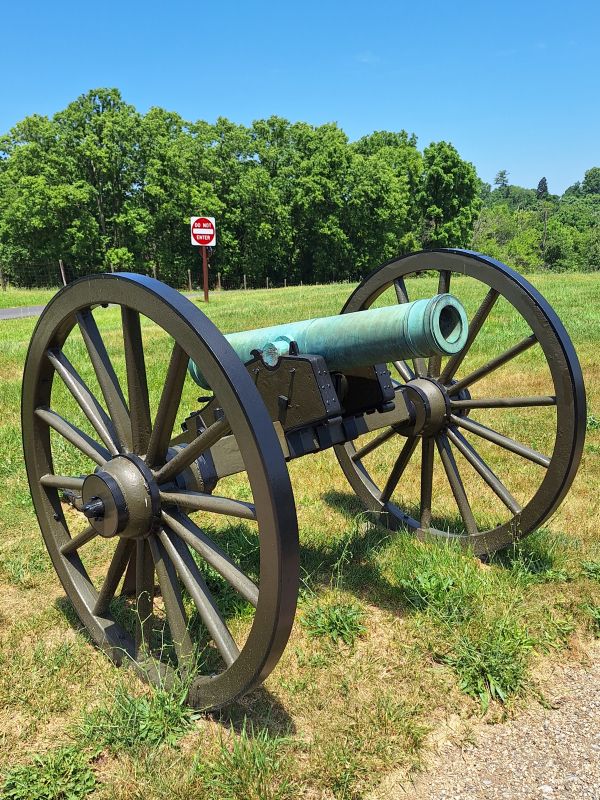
x=285, y=283
x=245, y=287
x=267, y=281
x=218, y=281
x=2, y=283
x=62, y=271
x=189, y=280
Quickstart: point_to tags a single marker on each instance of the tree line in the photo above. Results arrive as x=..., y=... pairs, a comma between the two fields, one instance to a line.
x=532, y=229
x=103, y=187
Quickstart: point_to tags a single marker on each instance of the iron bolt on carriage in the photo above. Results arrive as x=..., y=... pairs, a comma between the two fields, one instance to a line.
x=114, y=486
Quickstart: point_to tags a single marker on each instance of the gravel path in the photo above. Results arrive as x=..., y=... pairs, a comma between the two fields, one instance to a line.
x=544, y=754
x=21, y=312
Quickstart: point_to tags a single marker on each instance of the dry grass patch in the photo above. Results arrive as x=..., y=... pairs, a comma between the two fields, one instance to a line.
x=342, y=710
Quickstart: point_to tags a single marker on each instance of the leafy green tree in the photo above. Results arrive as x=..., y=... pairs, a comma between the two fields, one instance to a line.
x=591, y=181
x=542, y=189
x=589, y=250
x=449, y=197
x=501, y=181
x=573, y=191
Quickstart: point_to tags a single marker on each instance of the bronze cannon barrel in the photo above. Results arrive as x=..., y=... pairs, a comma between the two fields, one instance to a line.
x=434, y=326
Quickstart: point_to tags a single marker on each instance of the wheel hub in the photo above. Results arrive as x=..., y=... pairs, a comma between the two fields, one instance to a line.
x=122, y=498
x=431, y=406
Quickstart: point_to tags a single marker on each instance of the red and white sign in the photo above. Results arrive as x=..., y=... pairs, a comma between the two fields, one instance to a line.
x=203, y=231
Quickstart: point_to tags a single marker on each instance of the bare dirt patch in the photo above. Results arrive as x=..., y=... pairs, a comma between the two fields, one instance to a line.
x=552, y=750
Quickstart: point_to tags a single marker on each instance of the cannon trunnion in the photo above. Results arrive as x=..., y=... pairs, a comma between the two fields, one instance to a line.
x=135, y=483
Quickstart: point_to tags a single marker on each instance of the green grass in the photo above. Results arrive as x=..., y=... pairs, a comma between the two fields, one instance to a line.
x=424, y=631
x=248, y=765
x=490, y=657
x=62, y=774
x=591, y=569
x=594, y=613
x=129, y=722
x=338, y=621
x=11, y=298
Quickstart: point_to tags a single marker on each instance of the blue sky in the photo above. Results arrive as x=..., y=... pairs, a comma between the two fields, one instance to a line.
x=513, y=85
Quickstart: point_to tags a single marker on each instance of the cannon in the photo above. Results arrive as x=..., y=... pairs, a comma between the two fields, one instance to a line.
x=134, y=483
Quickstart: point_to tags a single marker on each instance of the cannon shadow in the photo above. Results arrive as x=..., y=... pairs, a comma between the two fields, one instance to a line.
x=257, y=711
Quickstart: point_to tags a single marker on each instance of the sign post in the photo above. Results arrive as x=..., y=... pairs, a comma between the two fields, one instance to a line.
x=204, y=234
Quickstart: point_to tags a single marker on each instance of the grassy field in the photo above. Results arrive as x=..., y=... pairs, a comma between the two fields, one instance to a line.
x=11, y=297
x=392, y=638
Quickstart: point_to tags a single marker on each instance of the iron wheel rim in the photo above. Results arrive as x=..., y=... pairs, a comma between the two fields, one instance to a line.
x=256, y=438
x=564, y=369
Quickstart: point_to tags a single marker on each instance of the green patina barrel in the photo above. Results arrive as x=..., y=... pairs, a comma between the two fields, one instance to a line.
x=435, y=326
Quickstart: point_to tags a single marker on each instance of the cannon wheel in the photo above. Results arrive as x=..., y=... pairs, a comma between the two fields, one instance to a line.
x=132, y=491
x=451, y=392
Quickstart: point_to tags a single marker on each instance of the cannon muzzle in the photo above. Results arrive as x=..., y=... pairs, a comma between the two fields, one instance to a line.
x=435, y=326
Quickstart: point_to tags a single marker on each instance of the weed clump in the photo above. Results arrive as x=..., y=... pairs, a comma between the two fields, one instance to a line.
x=248, y=767
x=62, y=774
x=440, y=580
x=593, y=612
x=593, y=423
x=591, y=569
x=469, y=617
x=337, y=621
x=129, y=722
x=539, y=558
x=491, y=659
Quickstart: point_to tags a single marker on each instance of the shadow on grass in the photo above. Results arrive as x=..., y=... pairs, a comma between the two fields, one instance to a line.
x=257, y=711
x=65, y=607
x=540, y=556
x=351, y=562
x=259, y=707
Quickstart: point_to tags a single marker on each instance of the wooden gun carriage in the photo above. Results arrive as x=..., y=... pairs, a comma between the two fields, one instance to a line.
x=116, y=479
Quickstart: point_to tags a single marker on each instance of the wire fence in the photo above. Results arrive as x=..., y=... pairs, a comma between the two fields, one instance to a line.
x=55, y=275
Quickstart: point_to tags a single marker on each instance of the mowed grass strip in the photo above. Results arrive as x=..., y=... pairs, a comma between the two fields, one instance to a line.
x=391, y=637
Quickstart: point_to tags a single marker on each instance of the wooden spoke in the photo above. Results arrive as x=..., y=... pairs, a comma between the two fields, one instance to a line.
x=92, y=409
x=137, y=382
x=218, y=559
x=456, y=484
x=192, y=451
x=107, y=378
x=477, y=462
x=144, y=591
x=375, y=442
x=403, y=370
x=76, y=437
x=400, y=289
x=200, y=594
x=502, y=441
x=493, y=364
x=427, y=456
x=475, y=326
x=174, y=608
x=504, y=402
x=168, y=407
x=435, y=361
x=62, y=482
x=78, y=541
x=398, y=468
x=115, y=572
x=198, y=501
